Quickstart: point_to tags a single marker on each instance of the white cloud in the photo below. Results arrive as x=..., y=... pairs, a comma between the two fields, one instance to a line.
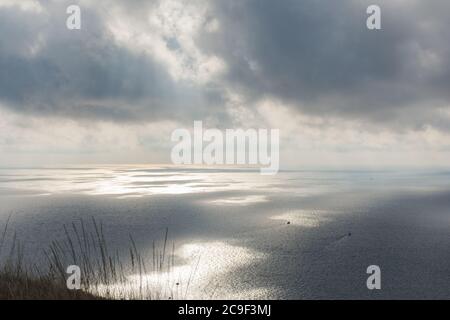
x=327, y=141
x=25, y=5
x=26, y=140
x=169, y=35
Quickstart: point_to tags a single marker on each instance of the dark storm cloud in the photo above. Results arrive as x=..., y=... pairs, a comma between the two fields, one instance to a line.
x=320, y=57
x=317, y=56
x=85, y=74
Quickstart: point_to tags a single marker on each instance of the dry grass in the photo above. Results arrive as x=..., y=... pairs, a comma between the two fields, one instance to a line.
x=104, y=275
x=25, y=287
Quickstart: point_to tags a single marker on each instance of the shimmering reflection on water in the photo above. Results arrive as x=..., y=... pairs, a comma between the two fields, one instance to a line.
x=298, y=234
x=195, y=278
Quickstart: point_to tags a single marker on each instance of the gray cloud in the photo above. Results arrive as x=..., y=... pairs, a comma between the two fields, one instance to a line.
x=86, y=74
x=317, y=56
x=320, y=57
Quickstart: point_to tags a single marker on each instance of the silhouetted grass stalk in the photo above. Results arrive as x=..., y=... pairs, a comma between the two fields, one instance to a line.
x=103, y=273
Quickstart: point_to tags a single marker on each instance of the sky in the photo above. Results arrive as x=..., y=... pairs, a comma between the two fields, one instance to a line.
x=112, y=92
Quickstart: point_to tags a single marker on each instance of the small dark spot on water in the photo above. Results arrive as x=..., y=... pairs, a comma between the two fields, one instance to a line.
x=288, y=222
x=349, y=234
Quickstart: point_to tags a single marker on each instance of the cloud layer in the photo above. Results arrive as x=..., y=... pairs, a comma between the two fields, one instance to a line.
x=231, y=63
x=319, y=57
x=50, y=70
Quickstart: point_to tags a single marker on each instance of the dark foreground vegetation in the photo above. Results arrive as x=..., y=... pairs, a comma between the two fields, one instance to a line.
x=104, y=275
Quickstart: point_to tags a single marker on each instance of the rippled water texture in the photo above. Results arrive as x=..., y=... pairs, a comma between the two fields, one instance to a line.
x=237, y=234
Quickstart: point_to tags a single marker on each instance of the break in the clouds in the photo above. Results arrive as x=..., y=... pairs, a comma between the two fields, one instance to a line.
x=89, y=73
x=303, y=64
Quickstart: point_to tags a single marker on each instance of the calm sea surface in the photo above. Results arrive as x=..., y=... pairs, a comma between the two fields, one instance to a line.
x=236, y=234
